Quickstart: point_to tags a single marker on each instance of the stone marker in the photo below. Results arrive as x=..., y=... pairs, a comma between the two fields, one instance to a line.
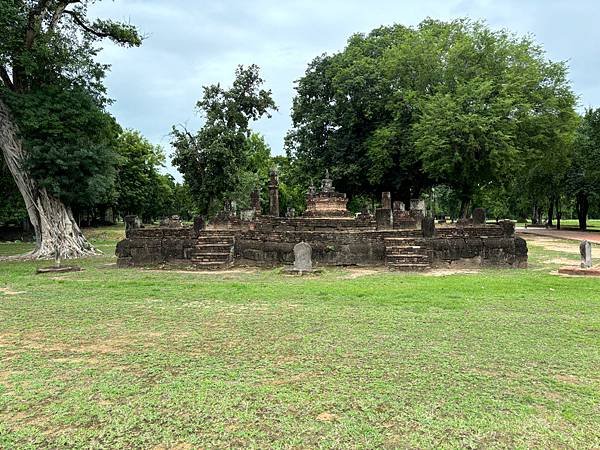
x=255, y=200
x=428, y=226
x=508, y=228
x=399, y=206
x=273, y=193
x=386, y=200
x=479, y=216
x=585, y=248
x=417, y=204
x=302, y=257
x=384, y=219
x=132, y=223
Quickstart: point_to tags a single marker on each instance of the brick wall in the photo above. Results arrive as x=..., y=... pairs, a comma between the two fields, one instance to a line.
x=334, y=242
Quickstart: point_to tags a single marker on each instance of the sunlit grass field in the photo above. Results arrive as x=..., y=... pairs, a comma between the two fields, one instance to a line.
x=109, y=358
x=592, y=224
x=573, y=224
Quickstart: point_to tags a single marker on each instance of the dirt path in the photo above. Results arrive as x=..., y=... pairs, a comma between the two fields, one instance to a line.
x=562, y=234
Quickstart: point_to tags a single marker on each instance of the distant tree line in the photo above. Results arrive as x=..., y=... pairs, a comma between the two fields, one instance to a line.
x=133, y=185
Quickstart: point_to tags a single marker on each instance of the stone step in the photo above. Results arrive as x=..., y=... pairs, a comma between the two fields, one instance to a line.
x=219, y=262
x=405, y=260
x=210, y=257
x=221, y=249
x=199, y=255
x=213, y=244
x=209, y=264
x=408, y=256
x=403, y=239
x=217, y=233
x=409, y=267
x=210, y=239
x=401, y=242
x=405, y=249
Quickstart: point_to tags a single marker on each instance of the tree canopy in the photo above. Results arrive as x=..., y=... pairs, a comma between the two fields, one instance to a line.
x=444, y=103
x=214, y=159
x=139, y=185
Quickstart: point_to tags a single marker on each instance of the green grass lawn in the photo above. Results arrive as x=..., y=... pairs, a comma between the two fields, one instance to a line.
x=573, y=224
x=109, y=358
x=592, y=224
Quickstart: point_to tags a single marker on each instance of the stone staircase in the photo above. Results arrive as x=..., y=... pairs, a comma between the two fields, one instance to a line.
x=213, y=249
x=407, y=254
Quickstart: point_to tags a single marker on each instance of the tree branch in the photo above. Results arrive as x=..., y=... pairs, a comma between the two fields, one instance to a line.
x=33, y=21
x=120, y=33
x=79, y=21
x=58, y=12
x=6, y=78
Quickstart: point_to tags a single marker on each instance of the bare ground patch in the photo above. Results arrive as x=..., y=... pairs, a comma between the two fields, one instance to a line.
x=562, y=261
x=448, y=272
x=360, y=272
x=203, y=272
x=8, y=291
x=569, y=379
x=557, y=245
x=100, y=346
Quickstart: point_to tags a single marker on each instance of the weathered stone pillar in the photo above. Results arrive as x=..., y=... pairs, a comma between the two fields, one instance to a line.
x=508, y=228
x=585, y=248
x=479, y=216
x=255, y=201
x=428, y=226
x=418, y=204
x=386, y=200
x=199, y=225
x=274, y=194
x=132, y=222
x=384, y=219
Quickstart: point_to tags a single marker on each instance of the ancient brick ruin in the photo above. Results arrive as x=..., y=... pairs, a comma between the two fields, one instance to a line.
x=397, y=237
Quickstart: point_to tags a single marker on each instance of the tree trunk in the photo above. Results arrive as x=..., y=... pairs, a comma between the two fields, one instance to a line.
x=54, y=225
x=550, y=212
x=535, y=214
x=558, y=212
x=582, y=210
x=464, y=207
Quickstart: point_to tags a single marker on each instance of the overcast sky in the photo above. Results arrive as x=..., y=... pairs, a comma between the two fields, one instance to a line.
x=191, y=43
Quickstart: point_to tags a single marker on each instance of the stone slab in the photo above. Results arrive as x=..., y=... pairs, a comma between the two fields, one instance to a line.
x=65, y=269
x=578, y=271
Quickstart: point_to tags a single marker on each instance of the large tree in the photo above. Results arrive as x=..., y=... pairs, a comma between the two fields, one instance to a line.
x=54, y=131
x=213, y=159
x=139, y=185
x=583, y=177
x=349, y=117
x=498, y=106
x=452, y=103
